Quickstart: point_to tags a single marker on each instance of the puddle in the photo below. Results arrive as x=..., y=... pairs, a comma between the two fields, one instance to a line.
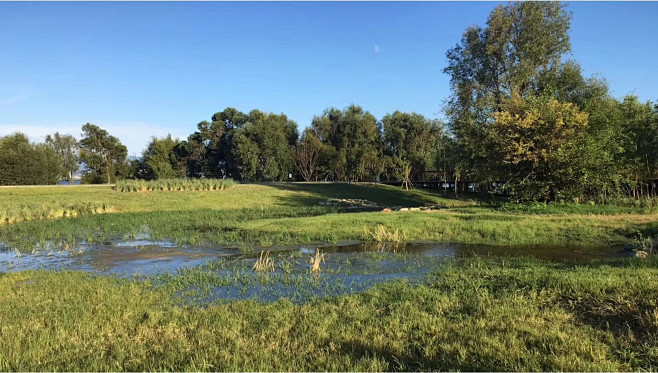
x=225, y=273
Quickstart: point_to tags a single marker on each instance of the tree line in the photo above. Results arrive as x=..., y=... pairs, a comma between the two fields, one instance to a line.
x=521, y=115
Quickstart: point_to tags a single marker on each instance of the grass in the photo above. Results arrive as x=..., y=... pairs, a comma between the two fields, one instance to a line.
x=381, y=235
x=473, y=315
x=476, y=315
x=14, y=211
x=179, y=185
x=264, y=215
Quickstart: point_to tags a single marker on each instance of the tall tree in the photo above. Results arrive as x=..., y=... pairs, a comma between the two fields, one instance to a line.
x=161, y=160
x=216, y=136
x=307, y=155
x=103, y=153
x=191, y=156
x=353, y=138
x=640, y=143
x=262, y=147
x=66, y=146
x=412, y=140
x=493, y=63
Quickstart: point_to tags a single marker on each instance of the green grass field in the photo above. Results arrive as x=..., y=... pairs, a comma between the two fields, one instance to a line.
x=469, y=314
x=261, y=215
x=510, y=315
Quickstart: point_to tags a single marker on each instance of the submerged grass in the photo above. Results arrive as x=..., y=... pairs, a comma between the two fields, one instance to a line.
x=475, y=315
x=316, y=260
x=264, y=263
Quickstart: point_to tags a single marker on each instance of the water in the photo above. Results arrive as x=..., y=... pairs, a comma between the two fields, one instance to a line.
x=66, y=182
x=348, y=267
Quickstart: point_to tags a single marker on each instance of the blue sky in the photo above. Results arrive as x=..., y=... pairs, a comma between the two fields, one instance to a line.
x=143, y=69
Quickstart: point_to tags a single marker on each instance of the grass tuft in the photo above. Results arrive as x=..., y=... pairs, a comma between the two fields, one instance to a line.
x=316, y=260
x=264, y=263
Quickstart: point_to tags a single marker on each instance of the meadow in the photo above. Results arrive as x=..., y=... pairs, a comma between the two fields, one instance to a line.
x=488, y=313
x=267, y=214
x=474, y=315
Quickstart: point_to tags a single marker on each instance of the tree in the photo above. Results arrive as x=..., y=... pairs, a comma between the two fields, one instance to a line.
x=640, y=143
x=411, y=139
x=66, y=147
x=353, y=141
x=216, y=136
x=262, y=147
x=103, y=154
x=23, y=163
x=492, y=64
x=307, y=155
x=161, y=160
x=191, y=156
x=538, y=143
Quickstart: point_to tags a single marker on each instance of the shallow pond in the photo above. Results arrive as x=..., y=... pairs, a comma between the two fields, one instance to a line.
x=207, y=273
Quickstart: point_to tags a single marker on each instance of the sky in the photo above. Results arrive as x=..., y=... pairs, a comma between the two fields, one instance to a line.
x=142, y=69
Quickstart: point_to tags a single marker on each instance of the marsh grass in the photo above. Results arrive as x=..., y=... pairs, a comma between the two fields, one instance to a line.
x=264, y=263
x=316, y=260
x=179, y=185
x=473, y=315
x=17, y=211
x=382, y=234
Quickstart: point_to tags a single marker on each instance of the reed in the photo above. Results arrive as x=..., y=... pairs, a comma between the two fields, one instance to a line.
x=382, y=234
x=264, y=263
x=178, y=185
x=14, y=212
x=316, y=260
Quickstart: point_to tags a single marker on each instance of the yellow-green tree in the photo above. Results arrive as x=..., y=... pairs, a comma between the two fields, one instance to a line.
x=539, y=144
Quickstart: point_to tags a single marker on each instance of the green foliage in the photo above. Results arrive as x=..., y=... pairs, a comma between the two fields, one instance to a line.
x=518, y=57
x=308, y=155
x=22, y=163
x=66, y=147
x=103, y=154
x=160, y=159
x=353, y=142
x=412, y=139
x=538, y=143
x=491, y=64
x=639, y=141
x=262, y=148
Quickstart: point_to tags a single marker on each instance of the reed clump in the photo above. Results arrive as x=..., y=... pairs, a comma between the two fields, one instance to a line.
x=382, y=234
x=18, y=212
x=316, y=260
x=264, y=263
x=172, y=185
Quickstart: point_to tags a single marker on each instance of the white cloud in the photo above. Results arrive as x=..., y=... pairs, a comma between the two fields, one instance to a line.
x=134, y=135
x=377, y=48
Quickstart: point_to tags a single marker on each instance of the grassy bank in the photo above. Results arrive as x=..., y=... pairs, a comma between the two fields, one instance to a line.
x=261, y=215
x=512, y=315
